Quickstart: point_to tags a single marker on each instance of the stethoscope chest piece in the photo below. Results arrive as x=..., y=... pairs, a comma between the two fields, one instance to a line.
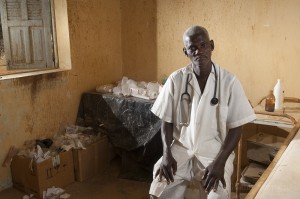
x=215, y=100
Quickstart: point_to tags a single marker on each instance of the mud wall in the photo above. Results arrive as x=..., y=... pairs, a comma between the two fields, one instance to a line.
x=139, y=44
x=257, y=40
x=40, y=106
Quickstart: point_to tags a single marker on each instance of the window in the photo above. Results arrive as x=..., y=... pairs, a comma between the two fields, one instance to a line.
x=27, y=35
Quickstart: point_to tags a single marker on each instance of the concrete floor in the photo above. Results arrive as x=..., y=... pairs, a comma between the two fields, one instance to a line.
x=105, y=186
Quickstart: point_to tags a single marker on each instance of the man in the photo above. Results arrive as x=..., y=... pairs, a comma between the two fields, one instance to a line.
x=203, y=108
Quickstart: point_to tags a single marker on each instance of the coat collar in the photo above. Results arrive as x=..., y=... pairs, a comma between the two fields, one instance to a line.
x=194, y=83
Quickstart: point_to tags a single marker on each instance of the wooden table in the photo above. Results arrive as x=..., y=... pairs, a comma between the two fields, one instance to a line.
x=287, y=118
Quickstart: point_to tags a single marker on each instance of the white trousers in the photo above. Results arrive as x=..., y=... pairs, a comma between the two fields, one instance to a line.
x=189, y=173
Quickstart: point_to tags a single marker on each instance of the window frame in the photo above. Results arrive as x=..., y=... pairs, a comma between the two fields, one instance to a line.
x=61, y=40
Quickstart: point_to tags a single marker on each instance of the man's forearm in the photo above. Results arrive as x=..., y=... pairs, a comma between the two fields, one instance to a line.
x=166, y=136
x=168, y=166
x=229, y=145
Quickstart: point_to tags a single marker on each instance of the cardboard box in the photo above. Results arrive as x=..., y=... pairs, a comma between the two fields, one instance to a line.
x=93, y=160
x=57, y=171
x=262, y=146
x=253, y=172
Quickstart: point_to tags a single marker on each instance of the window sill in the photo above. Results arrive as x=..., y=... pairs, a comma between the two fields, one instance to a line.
x=32, y=73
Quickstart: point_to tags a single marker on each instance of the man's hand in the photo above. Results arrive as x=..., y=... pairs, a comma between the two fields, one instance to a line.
x=167, y=169
x=213, y=174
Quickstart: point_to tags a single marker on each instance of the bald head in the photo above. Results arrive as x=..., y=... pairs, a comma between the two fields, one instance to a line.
x=195, y=30
x=198, y=47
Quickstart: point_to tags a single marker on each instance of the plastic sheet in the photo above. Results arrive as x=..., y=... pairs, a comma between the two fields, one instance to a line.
x=128, y=122
x=131, y=127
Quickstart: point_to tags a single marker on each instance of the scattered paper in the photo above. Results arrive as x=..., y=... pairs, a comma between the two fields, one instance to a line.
x=74, y=137
x=52, y=193
x=28, y=197
x=65, y=195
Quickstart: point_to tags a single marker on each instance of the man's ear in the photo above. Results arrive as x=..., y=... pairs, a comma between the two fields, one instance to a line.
x=212, y=44
x=184, y=51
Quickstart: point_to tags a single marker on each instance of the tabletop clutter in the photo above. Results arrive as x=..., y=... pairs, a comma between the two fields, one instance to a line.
x=275, y=98
x=74, y=137
x=41, y=166
x=128, y=87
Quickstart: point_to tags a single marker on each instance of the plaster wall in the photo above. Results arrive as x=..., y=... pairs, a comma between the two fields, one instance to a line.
x=40, y=106
x=257, y=40
x=142, y=39
x=139, y=45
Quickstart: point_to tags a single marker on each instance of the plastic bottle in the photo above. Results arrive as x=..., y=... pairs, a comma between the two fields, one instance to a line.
x=278, y=93
x=270, y=102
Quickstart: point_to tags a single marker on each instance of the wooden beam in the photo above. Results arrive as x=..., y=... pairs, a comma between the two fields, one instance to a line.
x=263, y=178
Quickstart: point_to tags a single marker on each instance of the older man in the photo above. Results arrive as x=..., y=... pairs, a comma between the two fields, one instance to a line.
x=202, y=108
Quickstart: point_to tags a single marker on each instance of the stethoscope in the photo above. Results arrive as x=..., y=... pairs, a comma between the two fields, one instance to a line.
x=213, y=101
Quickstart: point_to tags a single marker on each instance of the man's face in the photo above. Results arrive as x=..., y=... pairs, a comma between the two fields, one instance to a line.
x=198, y=48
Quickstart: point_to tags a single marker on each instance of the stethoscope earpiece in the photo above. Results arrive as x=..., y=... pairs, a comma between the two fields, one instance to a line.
x=214, y=101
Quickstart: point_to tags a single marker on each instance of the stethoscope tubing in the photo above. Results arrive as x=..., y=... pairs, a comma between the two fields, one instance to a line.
x=214, y=100
x=186, y=89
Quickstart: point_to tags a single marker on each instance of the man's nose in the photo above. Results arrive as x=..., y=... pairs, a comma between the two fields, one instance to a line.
x=198, y=51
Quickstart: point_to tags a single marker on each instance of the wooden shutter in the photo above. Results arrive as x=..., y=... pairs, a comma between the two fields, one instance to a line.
x=27, y=34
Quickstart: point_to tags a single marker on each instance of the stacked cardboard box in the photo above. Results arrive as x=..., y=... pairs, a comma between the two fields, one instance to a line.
x=32, y=177
x=93, y=160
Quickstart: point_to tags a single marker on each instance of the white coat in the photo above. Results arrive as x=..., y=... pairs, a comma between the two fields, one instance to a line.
x=209, y=124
